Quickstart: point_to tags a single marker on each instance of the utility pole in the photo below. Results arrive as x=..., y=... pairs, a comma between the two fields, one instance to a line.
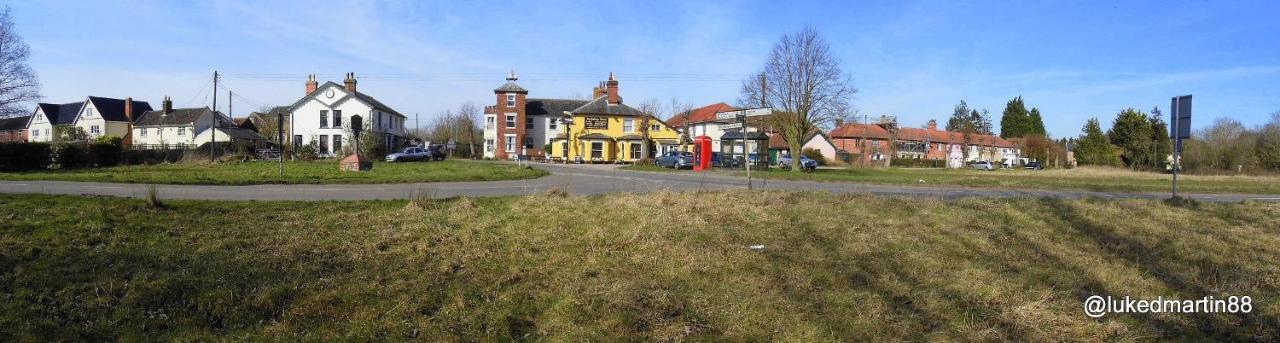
x=280, y=134
x=865, y=151
x=213, y=120
x=417, y=130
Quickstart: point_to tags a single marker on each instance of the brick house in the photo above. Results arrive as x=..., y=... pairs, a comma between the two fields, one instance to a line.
x=14, y=129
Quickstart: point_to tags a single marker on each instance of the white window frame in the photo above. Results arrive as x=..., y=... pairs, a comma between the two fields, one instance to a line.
x=628, y=125
x=489, y=145
x=509, y=143
x=511, y=100
x=552, y=124
x=490, y=122
x=511, y=121
x=142, y=132
x=182, y=131
x=324, y=119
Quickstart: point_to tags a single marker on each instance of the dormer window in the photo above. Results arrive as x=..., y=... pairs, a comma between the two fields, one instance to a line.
x=511, y=100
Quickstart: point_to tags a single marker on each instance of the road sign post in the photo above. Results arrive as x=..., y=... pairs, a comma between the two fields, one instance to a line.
x=1180, y=116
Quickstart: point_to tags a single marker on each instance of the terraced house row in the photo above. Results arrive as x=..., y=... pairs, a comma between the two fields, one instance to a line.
x=321, y=118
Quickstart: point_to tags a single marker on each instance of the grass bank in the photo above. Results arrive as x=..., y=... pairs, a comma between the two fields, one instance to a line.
x=297, y=172
x=833, y=268
x=1085, y=178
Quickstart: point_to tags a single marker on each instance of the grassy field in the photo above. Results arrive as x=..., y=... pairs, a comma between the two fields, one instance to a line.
x=1085, y=178
x=549, y=267
x=262, y=172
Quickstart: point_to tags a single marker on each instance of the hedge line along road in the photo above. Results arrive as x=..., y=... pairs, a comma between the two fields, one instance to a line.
x=577, y=179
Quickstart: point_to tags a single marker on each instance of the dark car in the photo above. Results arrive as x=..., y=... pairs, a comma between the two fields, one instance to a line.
x=675, y=159
x=1035, y=165
x=437, y=151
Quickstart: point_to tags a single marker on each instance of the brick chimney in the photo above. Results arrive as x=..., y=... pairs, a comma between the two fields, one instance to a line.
x=128, y=108
x=167, y=105
x=350, y=82
x=128, y=115
x=933, y=125
x=612, y=89
x=311, y=83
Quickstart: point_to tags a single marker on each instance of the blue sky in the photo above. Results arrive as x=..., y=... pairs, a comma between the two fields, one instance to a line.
x=915, y=60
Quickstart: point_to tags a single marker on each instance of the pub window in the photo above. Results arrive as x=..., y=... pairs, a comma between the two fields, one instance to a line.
x=597, y=150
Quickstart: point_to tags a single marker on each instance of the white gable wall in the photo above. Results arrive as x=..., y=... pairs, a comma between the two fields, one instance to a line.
x=39, y=128
x=305, y=118
x=820, y=143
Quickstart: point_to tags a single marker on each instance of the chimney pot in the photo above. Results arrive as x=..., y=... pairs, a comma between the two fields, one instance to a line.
x=612, y=89
x=351, y=82
x=311, y=83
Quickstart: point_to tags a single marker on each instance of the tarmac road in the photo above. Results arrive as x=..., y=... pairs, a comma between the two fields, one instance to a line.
x=577, y=179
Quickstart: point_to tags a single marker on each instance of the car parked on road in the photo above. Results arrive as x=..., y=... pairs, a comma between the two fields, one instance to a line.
x=806, y=164
x=675, y=159
x=1033, y=165
x=437, y=151
x=410, y=154
x=983, y=165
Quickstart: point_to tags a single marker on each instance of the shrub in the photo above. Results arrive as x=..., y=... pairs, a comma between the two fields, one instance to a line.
x=104, y=154
x=16, y=156
x=308, y=152
x=71, y=156
x=917, y=163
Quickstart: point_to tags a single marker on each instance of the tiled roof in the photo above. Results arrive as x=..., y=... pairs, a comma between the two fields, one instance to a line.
x=61, y=114
x=701, y=114
x=860, y=131
x=14, y=123
x=112, y=109
x=369, y=100
x=601, y=105
x=511, y=87
x=595, y=136
x=950, y=137
x=179, y=116
x=557, y=107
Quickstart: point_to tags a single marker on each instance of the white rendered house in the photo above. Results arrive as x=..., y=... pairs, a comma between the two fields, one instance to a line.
x=323, y=117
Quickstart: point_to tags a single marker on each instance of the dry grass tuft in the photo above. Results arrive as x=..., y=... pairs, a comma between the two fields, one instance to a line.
x=660, y=266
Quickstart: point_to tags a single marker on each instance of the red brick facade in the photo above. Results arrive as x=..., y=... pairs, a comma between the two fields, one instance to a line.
x=501, y=110
x=13, y=135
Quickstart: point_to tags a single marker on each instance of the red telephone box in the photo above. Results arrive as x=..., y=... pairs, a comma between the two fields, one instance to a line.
x=701, y=153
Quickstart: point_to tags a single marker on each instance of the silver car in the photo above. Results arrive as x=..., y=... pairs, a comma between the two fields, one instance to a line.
x=410, y=154
x=983, y=165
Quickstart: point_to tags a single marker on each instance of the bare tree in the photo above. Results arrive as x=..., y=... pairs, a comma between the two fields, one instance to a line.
x=18, y=82
x=802, y=80
x=469, y=117
x=652, y=109
x=685, y=113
